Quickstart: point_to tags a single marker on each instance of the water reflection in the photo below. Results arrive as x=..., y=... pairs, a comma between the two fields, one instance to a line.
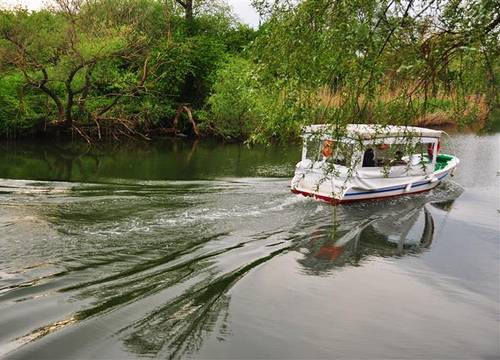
x=161, y=160
x=179, y=327
x=390, y=231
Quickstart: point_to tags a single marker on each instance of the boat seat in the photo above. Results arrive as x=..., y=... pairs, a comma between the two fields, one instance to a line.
x=442, y=161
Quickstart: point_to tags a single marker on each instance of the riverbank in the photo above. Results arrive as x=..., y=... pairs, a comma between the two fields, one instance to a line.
x=121, y=132
x=135, y=69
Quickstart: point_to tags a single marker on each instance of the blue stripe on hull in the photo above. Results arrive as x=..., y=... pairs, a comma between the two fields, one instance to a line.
x=393, y=188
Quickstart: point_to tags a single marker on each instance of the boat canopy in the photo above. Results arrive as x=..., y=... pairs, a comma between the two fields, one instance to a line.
x=373, y=131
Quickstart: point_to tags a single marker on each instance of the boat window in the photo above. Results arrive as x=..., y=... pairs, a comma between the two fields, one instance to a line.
x=382, y=155
x=313, y=149
x=340, y=154
x=423, y=152
x=385, y=153
x=427, y=150
x=333, y=152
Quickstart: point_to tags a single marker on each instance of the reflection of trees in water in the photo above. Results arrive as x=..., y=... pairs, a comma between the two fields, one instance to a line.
x=62, y=161
x=178, y=327
x=408, y=230
x=162, y=159
x=70, y=161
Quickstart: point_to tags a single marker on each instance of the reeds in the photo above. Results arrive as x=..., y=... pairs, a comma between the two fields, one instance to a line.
x=445, y=108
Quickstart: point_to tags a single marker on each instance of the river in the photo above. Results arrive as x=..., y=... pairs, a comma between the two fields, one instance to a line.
x=175, y=249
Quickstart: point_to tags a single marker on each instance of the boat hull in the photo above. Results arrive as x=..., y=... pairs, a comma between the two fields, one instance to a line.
x=372, y=195
x=354, y=195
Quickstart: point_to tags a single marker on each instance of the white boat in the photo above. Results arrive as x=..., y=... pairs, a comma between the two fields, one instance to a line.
x=362, y=162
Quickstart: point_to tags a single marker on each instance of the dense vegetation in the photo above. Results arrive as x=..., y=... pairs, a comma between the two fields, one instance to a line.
x=110, y=68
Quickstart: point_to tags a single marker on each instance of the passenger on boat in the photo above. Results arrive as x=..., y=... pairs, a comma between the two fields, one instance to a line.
x=430, y=149
x=369, y=158
x=398, y=159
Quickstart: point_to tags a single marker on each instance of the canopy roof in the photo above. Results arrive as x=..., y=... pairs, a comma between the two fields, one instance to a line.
x=373, y=131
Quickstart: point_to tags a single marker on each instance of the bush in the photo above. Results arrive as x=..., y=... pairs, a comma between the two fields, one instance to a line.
x=18, y=111
x=235, y=105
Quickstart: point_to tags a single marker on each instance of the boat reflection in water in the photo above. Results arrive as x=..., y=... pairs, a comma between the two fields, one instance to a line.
x=404, y=229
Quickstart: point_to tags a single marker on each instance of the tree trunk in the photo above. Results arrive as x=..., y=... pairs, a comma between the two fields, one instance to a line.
x=68, y=118
x=188, y=11
x=184, y=108
x=57, y=101
x=68, y=113
x=189, y=17
x=188, y=92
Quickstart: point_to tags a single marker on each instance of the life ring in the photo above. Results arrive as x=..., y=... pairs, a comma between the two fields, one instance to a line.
x=327, y=150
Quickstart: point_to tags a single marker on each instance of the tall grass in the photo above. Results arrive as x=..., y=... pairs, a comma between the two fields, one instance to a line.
x=443, y=109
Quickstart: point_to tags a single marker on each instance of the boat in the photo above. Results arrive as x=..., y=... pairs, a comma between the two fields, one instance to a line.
x=367, y=161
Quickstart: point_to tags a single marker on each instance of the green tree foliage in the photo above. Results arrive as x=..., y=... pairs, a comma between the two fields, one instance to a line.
x=372, y=61
x=95, y=64
x=235, y=104
x=130, y=65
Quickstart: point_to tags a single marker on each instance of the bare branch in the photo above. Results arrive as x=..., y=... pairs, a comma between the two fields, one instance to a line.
x=182, y=3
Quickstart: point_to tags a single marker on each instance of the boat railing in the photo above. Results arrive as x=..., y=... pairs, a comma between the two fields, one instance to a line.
x=452, y=143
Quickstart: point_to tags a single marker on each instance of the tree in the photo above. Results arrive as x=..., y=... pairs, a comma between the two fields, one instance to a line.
x=373, y=61
x=59, y=50
x=123, y=65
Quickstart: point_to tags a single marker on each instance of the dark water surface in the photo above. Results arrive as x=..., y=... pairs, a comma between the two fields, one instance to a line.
x=182, y=250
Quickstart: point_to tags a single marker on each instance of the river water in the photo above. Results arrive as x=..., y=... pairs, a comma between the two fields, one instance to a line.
x=198, y=250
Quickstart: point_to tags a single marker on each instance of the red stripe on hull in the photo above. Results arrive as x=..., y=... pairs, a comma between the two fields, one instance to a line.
x=334, y=201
